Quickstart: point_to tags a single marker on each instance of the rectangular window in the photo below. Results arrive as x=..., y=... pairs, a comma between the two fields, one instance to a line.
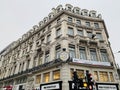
x=72, y=51
x=96, y=75
x=28, y=64
x=80, y=32
x=56, y=75
x=89, y=34
x=103, y=76
x=70, y=31
x=80, y=73
x=93, y=54
x=70, y=19
x=87, y=24
x=96, y=25
x=58, y=32
x=47, y=56
x=82, y=53
x=99, y=36
x=78, y=22
x=104, y=55
x=48, y=38
x=111, y=77
x=46, y=77
x=38, y=79
x=58, y=50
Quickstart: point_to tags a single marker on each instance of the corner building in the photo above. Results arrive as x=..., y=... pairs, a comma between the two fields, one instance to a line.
x=45, y=57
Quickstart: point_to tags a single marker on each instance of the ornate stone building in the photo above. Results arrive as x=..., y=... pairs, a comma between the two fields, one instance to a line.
x=45, y=57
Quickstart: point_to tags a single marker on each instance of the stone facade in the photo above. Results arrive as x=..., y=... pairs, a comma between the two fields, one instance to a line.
x=79, y=32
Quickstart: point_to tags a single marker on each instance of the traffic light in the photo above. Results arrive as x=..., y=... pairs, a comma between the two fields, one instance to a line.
x=89, y=80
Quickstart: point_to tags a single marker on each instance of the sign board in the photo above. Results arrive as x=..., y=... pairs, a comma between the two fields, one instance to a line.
x=107, y=87
x=50, y=86
x=91, y=62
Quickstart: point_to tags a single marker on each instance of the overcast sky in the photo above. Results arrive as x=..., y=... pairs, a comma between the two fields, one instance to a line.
x=18, y=16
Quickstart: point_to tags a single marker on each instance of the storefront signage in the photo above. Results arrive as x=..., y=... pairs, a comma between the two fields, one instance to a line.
x=107, y=87
x=91, y=62
x=50, y=86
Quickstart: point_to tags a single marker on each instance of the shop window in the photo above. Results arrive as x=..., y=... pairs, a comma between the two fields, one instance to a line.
x=104, y=55
x=93, y=54
x=103, y=76
x=71, y=73
x=111, y=77
x=56, y=75
x=96, y=75
x=46, y=77
x=82, y=53
x=70, y=31
x=80, y=73
x=58, y=32
x=72, y=50
x=58, y=50
x=38, y=79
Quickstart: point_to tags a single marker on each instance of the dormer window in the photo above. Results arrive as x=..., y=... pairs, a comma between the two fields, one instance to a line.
x=77, y=11
x=85, y=13
x=69, y=8
x=93, y=15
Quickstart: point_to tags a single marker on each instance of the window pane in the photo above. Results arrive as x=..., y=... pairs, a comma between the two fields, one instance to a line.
x=47, y=56
x=56, y=75
x=58, y=51
x=99, y=36
x=96, y=25
x=80, y=32
x=96, y=75
x=88, y=24
x=69, y=19
x=104, y=56
x=48, y=38
x=46, y=77
x=72, y=51
x=93, y=54
x=89, y=34
x=70, y=31
x=80, y=73
x=111, y=77
x=103, y=76
x=82, y=53
x=38, y=79
x=78, y=22
x=58, y=32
